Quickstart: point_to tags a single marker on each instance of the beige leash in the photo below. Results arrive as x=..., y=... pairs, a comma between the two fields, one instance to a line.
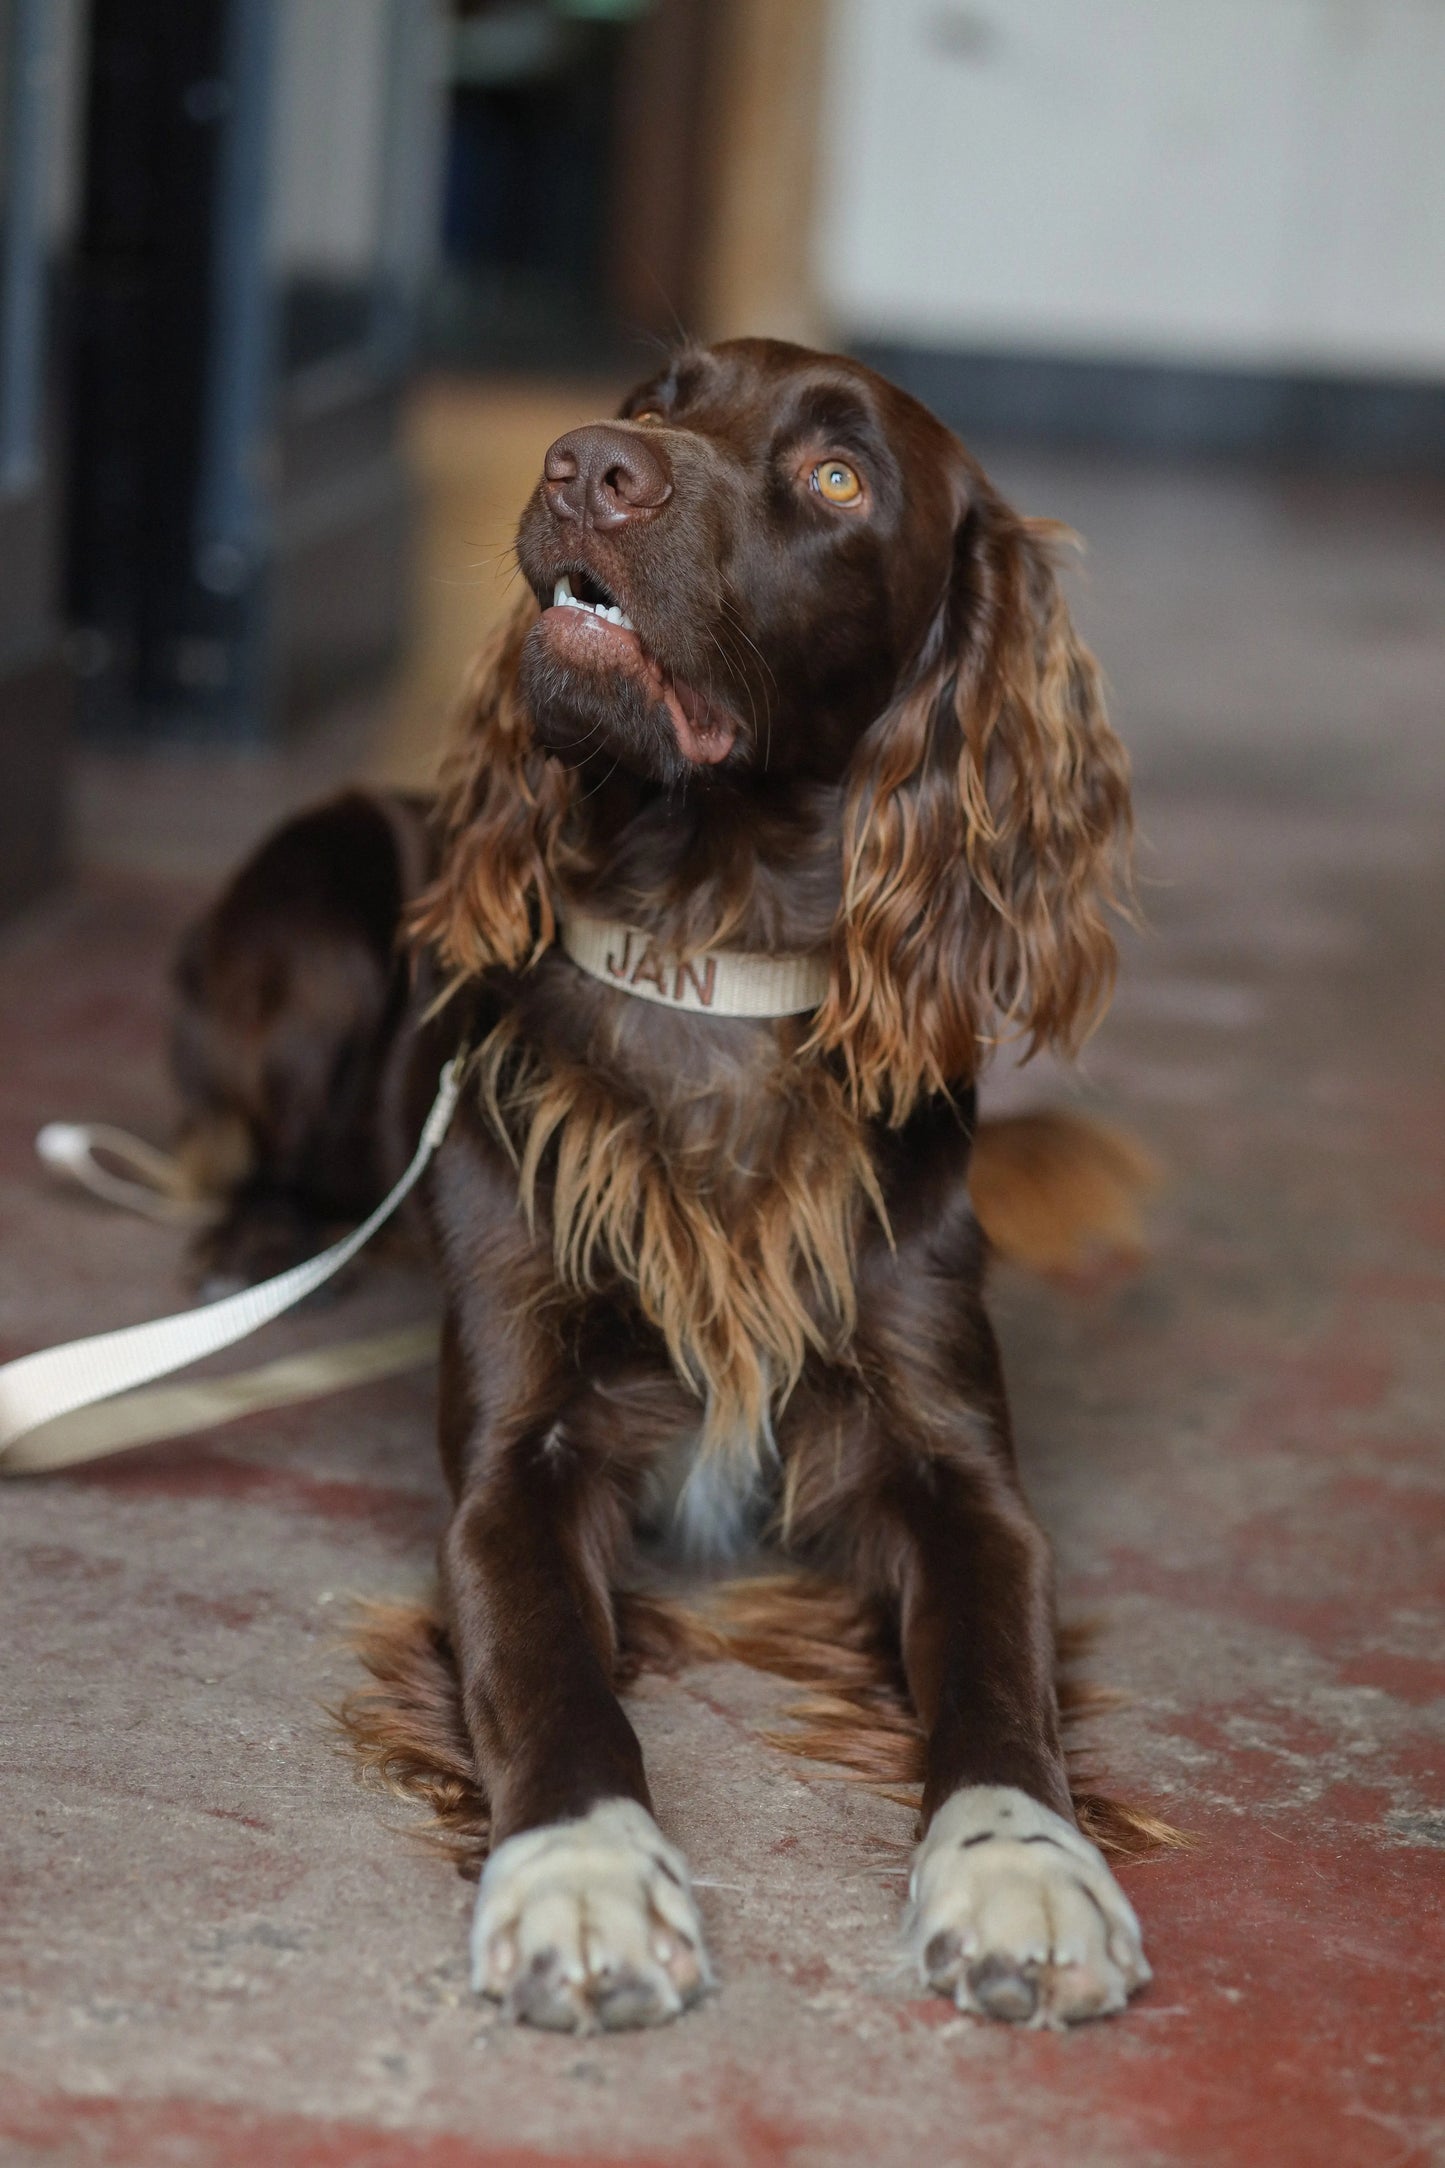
x=53, y=1391
x=175, y=1411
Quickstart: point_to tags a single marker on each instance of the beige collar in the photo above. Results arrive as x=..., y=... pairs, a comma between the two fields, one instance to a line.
x=718, y=982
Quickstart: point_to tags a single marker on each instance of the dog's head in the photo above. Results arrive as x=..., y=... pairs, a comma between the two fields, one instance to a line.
x=738, y=572
x=774, y=565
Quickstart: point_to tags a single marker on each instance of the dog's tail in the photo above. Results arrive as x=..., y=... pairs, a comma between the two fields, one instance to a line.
x=1060, y=1193
x=406, y=1730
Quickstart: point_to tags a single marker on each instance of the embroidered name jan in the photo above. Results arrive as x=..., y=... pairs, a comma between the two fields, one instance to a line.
x=714, y=982
x=637, y=961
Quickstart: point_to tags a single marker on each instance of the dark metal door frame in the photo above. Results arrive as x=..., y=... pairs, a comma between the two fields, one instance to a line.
x=37, y=67
x=240, y=526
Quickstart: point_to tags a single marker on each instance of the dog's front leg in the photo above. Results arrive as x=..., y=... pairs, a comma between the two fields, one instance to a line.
x=1012, y=1910
x=585, y=1916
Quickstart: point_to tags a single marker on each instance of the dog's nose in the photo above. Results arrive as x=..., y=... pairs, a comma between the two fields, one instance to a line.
x=604, y=476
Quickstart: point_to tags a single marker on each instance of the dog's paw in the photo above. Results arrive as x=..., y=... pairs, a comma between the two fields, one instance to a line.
x=1015, y=1915
x=589, y=1923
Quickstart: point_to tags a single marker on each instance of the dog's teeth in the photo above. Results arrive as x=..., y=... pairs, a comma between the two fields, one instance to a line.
x=564, y=599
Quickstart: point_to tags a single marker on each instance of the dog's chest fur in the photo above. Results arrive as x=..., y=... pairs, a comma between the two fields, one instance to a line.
x=723, y=1186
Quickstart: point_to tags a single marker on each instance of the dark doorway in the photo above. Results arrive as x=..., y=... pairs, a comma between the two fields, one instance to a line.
x=258, y=220
x=576, y=180
x=41, y=60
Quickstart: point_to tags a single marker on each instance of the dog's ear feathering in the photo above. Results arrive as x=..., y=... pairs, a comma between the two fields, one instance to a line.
x=986, y=835
x=501, y=806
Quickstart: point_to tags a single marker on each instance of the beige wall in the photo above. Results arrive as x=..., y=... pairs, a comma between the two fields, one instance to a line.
x=1257, y=183
x=761, y=272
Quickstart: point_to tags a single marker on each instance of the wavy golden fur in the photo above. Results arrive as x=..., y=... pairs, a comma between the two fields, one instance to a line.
x=501, y=810
x=744, y=1263
x=1000, y=758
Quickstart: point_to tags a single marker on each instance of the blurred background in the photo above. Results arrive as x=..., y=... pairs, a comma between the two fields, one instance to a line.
x=294, y=293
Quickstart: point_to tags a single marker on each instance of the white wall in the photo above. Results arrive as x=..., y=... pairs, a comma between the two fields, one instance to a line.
x=1250, y=182
x=330, y=136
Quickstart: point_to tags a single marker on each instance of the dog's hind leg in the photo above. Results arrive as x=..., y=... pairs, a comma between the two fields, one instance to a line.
x=290, y=992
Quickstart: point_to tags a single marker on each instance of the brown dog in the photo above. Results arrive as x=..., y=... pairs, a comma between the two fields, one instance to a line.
x=786, y=795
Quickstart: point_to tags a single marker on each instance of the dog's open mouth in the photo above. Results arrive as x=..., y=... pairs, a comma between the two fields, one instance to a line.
x=704, y=729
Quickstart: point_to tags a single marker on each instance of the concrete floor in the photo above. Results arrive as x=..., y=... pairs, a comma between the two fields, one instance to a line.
x=216, y=1949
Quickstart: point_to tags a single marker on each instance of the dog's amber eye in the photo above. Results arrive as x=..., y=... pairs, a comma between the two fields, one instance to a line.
x=648, y=414
x=836, y=481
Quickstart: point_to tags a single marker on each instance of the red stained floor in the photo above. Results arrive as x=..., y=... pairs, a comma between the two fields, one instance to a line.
x=215, y=1949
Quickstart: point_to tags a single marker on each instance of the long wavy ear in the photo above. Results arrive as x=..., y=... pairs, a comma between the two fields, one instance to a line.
x=501, y=805
x=986, y=835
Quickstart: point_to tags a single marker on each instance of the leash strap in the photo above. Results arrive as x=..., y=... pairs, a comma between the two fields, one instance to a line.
x=158, y=1412
x=37, y=1388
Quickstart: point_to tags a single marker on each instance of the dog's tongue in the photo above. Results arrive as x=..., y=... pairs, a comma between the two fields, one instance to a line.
x=704, y=734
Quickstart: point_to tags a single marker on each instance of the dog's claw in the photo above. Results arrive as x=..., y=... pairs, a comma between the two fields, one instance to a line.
x=1001, y=1989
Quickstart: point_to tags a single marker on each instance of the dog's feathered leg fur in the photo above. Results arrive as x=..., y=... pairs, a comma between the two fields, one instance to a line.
x=405, y=1729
